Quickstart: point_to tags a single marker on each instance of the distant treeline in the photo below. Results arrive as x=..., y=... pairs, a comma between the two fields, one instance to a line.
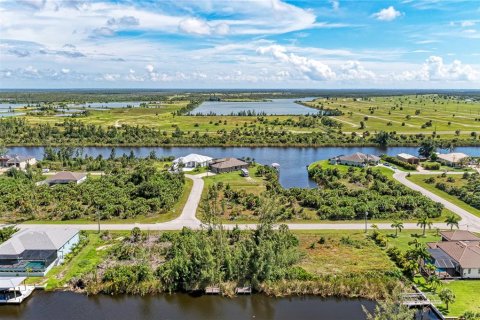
x=105, y=95
x=71, y=132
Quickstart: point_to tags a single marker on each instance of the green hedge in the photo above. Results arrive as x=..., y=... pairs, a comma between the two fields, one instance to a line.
x=400, y=163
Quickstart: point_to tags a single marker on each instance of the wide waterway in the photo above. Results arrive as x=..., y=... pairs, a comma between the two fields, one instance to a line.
x=73, y=306
x=292, y=160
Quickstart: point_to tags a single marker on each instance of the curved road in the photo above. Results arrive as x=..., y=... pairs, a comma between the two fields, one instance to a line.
x=188, y=216
x=469, y=221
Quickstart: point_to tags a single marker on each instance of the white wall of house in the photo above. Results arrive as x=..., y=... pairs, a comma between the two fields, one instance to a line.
x=352, y=163
x=67, y=247
x=471, y=273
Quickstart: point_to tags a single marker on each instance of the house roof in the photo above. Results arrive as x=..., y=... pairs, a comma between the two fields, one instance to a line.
x=359, y=157
x=453, y=157
x=15, y=158
x=10, y=282
x=67, y=176
x=37, y=239
x=465, y=253
x=406, y=156
x=459, y=235
x=193, y=157
x=228, y=163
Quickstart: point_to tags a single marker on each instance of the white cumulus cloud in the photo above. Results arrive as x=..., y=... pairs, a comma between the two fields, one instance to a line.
x=311, y=68
x=435, y=69
x=387, y=14
x=353, y=70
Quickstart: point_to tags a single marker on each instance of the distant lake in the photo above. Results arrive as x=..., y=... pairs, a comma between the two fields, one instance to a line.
x=10, y=114
x=108, y=105
x=7, y=106
x=273, y=107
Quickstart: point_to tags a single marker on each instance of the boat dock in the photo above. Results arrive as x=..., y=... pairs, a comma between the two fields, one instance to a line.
x=13, y=292
x=243, y=290
x=212, y=290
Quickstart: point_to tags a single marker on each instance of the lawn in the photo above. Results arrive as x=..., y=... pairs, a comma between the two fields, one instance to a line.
x=420, y=180
x=406, y=236
x=236, y=181
x=467, y=295
x=348, y=251
x=86, y=260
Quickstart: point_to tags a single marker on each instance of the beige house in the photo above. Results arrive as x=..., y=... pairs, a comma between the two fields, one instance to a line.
x=357, y=159
x=405, y=157
x=456, y=258
x=454, y=159
x=227, y=165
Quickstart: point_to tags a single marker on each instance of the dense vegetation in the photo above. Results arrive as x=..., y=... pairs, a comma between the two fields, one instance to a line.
x=468, y=192
x=400, y=163
x=348, y=195
x=124, y=192
x=268, y=260
x=193, y=260
x=343, y=194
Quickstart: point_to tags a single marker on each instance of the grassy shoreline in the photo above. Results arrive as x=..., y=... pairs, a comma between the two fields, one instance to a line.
x=253, y=145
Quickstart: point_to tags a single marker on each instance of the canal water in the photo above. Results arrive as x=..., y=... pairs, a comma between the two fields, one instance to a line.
x=67, y=305
x=293, y=161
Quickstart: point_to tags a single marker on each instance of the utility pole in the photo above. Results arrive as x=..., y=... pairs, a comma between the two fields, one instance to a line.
x=366, y=215
x=98, y=220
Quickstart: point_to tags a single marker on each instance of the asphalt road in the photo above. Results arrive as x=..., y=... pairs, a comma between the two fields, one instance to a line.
x=188, y=216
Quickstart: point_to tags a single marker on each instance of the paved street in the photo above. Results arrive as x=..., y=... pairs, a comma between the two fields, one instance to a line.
x=188, y=216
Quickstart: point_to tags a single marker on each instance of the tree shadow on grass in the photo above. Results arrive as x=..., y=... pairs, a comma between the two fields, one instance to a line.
x=416, y=235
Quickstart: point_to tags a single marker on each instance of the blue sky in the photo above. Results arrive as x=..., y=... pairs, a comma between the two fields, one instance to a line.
x=239, y=44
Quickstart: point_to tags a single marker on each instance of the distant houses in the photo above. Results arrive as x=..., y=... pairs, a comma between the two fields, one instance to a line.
x=33, y=252
x=356, y=159
x=228, y=165
x=456, y=256
x=65, y=177
x=192, y=161
x=408, y=158
x=16, y=161
x=454, y=159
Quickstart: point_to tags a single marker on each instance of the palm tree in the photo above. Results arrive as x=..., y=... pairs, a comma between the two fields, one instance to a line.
x=424, y=222
x=452, y=221
x=398, y=225
x=434, y=282
x=430, y=268
x=447, y=296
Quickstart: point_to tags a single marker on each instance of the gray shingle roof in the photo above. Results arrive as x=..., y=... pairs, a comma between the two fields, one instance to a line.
x=359, y=157
x=228, y=163
x=67, y=176
x=37, y=239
